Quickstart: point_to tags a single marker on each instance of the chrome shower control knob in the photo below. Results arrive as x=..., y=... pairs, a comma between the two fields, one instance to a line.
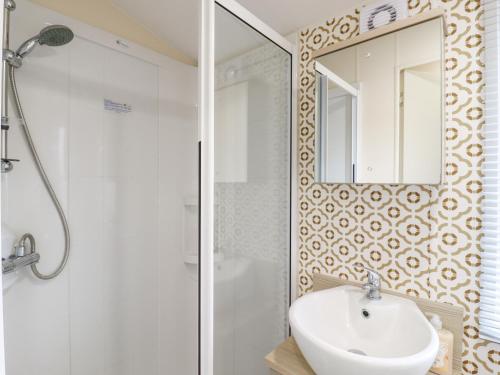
x=20, y=250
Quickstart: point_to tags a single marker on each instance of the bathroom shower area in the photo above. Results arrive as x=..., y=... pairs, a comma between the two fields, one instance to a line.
x=108, y=192
x=115, y=127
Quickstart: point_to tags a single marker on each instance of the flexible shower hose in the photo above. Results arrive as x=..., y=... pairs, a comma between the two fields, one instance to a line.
x=46, y=182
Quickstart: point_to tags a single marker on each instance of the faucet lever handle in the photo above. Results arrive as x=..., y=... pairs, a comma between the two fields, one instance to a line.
x=373, y=276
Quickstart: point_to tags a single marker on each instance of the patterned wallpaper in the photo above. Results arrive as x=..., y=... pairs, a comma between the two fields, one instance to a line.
x=423, y=239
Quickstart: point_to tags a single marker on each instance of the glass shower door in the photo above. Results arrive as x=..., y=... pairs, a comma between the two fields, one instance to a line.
x=246, y=133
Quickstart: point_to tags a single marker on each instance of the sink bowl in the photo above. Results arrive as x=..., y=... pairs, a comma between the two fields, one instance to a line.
x=341, y=332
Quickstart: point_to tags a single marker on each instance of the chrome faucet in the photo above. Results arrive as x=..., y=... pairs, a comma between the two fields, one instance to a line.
x=373, y=284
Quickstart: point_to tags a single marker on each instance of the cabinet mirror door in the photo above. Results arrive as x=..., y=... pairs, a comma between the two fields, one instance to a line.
x=379, y=109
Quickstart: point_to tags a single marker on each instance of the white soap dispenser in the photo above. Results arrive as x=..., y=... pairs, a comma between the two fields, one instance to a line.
x=443, y=365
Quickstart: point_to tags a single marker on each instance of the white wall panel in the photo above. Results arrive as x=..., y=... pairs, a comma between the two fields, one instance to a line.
x=127, y=303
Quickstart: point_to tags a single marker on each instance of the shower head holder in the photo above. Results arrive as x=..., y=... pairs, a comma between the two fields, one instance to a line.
x=12, y=58
x=10, y=5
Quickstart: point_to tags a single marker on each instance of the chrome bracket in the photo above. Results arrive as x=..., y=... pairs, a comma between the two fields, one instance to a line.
x=12, y=58
x=10, y=5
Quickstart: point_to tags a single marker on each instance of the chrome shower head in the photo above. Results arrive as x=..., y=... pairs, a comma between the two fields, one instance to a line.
x=54, y=35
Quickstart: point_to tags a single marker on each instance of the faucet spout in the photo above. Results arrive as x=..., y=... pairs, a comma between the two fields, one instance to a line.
x=373, y=285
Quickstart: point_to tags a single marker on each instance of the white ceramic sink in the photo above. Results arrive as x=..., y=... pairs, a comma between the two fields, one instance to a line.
x=336, y=337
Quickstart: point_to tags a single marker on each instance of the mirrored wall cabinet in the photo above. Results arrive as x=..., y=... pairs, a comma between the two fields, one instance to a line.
x=379, y=105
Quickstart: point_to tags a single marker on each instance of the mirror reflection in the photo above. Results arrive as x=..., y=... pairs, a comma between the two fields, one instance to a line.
x=379, y=109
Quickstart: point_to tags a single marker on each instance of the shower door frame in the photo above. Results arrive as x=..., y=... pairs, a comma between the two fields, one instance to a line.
x=207, y=163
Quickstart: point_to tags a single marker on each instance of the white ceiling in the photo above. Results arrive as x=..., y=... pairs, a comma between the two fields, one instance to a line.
x=288, y=16
x=176, y=21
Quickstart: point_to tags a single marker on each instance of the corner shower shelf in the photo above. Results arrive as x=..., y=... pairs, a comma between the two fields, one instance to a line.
x=191, y=202
x=193, y=258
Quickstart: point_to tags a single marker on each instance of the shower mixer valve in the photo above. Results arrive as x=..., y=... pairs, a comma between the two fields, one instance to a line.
x=21, y=257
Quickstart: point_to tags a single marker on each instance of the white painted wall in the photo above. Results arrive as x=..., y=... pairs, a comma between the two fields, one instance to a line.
x=338, y=133
x=376, y=131
x=231, y=133
x=127, y=302
x=420, y=148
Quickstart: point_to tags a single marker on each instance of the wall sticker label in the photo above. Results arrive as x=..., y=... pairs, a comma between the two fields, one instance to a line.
x=110, y=105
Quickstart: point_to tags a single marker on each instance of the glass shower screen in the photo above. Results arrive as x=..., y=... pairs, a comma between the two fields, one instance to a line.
x=252, y=122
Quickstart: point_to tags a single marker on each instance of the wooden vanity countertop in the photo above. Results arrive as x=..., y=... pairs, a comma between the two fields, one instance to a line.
x=287, y=359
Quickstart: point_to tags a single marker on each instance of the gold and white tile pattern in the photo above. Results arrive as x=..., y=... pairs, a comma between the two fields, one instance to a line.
x=425, y=240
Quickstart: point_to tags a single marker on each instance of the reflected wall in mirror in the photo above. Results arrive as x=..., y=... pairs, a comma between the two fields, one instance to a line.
x=379, y=108
x=336, y=105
